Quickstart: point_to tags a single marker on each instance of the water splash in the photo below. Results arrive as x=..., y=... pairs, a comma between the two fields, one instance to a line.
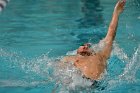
x=43, y=70
x=24, y=72
x=21, y=83
x=128, y=77
x=132, y=67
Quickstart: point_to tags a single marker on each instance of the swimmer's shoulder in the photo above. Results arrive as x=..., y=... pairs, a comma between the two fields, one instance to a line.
x=68, y=59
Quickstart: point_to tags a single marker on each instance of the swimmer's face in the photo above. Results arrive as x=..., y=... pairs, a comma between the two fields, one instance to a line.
x=84, y=50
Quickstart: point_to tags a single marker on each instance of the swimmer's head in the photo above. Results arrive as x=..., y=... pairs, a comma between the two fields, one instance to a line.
x=85, y=50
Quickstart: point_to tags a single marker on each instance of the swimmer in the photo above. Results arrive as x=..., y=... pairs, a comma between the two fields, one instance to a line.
x=92, y=64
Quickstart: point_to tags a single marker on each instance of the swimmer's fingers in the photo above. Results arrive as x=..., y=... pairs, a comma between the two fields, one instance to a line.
x=123, y=2
x=120, y=6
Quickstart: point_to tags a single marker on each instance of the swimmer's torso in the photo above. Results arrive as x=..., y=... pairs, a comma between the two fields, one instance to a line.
x=91, y=66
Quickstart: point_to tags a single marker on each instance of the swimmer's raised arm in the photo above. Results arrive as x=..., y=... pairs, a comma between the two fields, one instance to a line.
x=112, y=28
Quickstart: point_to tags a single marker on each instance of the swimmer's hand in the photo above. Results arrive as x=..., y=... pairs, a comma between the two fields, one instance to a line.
x=119, y=6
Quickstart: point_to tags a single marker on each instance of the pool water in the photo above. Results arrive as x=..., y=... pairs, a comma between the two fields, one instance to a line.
x=35, y=34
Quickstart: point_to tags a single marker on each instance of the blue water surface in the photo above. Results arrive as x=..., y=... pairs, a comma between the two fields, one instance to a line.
x=34, y=34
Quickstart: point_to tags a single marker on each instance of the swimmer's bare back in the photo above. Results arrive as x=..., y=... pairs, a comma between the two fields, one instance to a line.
x=92, y=65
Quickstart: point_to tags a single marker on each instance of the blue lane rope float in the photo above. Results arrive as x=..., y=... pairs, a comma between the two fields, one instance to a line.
x=3, y=4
